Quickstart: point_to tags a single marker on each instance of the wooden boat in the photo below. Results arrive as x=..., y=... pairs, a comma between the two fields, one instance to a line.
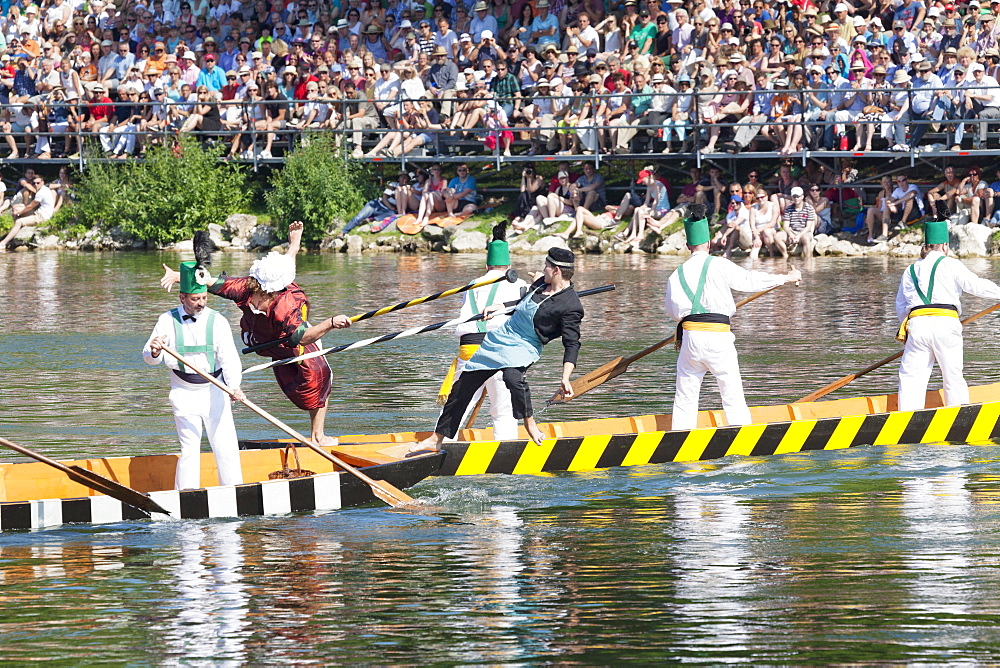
x=35, y=495
x=647, y=439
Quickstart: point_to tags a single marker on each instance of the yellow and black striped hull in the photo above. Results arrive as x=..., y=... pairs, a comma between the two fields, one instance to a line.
x=971, y=423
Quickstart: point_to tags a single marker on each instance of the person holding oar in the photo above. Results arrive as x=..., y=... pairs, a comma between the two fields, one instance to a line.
x=550, y=309
x=928, y=305
x=700, y=299
x=205, y=340
x=472, y=334
x=275, y=307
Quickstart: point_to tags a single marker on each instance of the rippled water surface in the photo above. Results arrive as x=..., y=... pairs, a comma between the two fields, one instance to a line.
x=868, y=555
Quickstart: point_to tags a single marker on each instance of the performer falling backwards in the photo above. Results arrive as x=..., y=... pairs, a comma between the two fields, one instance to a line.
x=928, y=305
x=203, y=337
x=550, y=309
x=273, y=307
x=699, y=297
x=471, y=334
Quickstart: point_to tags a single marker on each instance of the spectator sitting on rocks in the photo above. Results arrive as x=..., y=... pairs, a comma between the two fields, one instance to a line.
x=461, y=192
x=37, y=211
x=382, y=207
x=798, y=221
x=532, y=186
x=655, y=205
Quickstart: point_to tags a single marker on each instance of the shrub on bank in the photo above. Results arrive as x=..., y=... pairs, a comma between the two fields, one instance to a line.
x=320, y=187
x=175, y=191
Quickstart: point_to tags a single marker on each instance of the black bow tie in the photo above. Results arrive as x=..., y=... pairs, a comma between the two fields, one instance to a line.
x=189, y=317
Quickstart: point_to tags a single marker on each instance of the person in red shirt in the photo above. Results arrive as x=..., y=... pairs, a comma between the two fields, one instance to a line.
x=274, y=306
x=100, y=109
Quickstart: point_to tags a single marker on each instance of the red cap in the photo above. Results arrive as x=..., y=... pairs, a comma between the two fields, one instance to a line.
x=949, y=7
x=642, y=175
x=210, y=57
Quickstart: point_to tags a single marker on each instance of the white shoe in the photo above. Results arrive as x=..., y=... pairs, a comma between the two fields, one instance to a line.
x=247, y=154
x=264, y=155
x=357, y=154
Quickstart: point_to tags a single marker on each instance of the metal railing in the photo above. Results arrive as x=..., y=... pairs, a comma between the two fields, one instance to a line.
x=450, y=142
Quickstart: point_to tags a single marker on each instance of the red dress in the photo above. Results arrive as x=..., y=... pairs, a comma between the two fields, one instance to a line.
x=306, y=383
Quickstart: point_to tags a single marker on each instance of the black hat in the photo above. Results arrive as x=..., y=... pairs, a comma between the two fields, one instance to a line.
x=561, y=257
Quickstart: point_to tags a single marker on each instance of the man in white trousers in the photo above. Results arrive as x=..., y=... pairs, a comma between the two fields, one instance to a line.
x=202, y=336
x=700, y=299
x=471, y=334
x=928, y=305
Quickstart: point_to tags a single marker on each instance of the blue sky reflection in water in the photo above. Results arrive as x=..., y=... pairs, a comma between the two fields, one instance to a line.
x=872, y=554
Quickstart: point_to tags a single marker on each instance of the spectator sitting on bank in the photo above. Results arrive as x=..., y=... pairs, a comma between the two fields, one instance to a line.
x=460, y=197
x=38, y=210
x=551, y=206
x=532, y=186
x=379, y=208
x=655, y=205
x=432, y=197
x=798, y=222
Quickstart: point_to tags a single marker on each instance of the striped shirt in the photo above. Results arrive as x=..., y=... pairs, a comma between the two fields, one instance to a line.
x=799, y=218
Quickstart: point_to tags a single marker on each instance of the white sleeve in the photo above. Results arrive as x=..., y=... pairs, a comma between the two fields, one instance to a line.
x=743, y=280
x=226, y=353
x=974, y=285
x=164, y=328
x=902, y=303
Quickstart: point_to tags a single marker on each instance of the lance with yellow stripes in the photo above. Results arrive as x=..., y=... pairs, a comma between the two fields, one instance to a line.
x=510, y=276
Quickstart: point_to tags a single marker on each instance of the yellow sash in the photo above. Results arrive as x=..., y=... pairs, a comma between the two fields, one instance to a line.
x=917, y=312
x=705, y=326
x=465, y=353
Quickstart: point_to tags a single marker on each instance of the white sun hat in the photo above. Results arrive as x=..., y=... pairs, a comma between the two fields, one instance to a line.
x=275, y=271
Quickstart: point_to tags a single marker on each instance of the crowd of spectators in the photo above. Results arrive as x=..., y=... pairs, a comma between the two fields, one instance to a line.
x=772, y=213
x=566, y=76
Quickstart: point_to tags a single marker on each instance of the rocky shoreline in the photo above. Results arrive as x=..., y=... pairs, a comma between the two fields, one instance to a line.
x=243, y=232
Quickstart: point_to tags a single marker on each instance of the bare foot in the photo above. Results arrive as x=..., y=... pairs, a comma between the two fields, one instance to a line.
x=325, y=441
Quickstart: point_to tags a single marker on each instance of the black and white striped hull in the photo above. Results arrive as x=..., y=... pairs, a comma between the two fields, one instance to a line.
x=324, y=491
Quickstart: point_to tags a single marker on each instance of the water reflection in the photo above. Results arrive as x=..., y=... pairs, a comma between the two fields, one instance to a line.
x=207, y=615
x=713, y=571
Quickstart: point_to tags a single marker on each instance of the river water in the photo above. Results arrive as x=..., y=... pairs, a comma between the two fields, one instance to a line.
x=873, y=554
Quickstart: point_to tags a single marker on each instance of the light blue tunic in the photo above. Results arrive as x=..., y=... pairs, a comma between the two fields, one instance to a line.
x=515, y=344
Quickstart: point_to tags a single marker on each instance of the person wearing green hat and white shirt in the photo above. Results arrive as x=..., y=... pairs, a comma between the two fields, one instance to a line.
x=471, y=334
x=700, y=299
x=928, y=305
x=202, y=336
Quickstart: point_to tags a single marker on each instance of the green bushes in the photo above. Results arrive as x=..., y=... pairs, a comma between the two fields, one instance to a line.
x=175, y=191
x=318, y=186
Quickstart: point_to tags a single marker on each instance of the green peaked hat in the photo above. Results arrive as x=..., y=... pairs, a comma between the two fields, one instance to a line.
x=696, y=231
x=497, y=250
x=190, y=284
x=936, y=232
x=497, y=254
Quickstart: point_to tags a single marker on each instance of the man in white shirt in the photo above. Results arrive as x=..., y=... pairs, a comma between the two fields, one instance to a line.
x=583, y=36
x=203, y=338
x=928, y=305
x=699, y=298
x=37, y=211
x=982, y=101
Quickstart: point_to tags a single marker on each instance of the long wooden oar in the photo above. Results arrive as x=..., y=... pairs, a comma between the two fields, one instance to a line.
x=93, y=480
x=383, y=490
x=617, y=366
x=413, y=331
x=510, y=276
x=837, y=384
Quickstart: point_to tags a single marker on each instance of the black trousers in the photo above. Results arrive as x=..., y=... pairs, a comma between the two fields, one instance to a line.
x=450, y=421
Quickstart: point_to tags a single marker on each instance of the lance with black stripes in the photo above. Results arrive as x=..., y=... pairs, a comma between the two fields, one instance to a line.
x=413, y=331
x=510, y=276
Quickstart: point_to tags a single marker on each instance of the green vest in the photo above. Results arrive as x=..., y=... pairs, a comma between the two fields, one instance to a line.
x=182, y=348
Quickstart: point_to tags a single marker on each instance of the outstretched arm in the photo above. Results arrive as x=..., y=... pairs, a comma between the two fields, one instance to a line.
x=294, y=238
